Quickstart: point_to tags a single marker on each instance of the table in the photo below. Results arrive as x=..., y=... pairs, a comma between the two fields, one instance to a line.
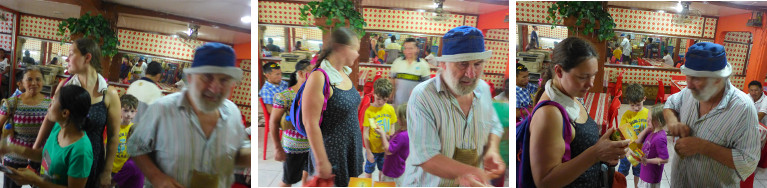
x=597, y=104
x=678, y=83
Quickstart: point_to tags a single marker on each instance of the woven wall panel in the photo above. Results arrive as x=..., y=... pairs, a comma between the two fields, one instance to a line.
x=497, y=34
x=709, y=30
x=498, y=63
x=281, y=13
x=407, y=21
x=155, y=44
x=39, y=27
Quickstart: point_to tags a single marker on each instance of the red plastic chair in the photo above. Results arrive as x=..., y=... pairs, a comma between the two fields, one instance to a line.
x=618, y=86
x=612, y=113
x=266, y=124
x=661, y=96
x=366, y=100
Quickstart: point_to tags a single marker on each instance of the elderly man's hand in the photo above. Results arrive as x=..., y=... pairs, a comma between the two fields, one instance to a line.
x=494, y=165
x=678, y=129
x=688, y=146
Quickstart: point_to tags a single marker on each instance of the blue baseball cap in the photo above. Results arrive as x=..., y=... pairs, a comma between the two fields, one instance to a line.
x=706, y=59
x=463, y=43
x=215, y=58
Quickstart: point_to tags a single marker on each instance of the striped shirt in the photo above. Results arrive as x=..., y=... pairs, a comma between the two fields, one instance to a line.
x=171, y=135
x=436, y=126
x=731, y=124
x=27, y=121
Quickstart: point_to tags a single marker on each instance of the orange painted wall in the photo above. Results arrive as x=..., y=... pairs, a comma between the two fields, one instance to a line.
x=242, y=51
x=757, y=61
x=493, y=20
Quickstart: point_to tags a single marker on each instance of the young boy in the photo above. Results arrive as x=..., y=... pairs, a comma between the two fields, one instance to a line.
x=654, y=148
x=125, y=173
x=636, y=116
x=383, y=116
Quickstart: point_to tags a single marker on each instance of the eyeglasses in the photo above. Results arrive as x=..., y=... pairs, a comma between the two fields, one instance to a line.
x=209, y=78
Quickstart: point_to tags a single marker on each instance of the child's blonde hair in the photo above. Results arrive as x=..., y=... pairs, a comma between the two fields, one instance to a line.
x=657, y=114
x=401, y=117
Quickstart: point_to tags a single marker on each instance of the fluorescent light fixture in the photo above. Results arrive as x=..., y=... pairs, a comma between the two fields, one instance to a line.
x=420, y=10
x=661, y=11
x=245, y=19
x=174, y=36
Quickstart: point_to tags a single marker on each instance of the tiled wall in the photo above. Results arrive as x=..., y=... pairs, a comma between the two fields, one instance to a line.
x=500, y=59
x=6, y=31
x=38, y=27
x=154, y=44
x=626, y=19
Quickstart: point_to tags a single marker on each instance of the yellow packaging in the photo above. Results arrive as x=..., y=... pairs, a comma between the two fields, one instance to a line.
x=627, y=131
x=360, y=182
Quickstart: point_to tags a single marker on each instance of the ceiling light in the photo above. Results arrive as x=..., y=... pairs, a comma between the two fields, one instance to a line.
x=245, y=19
x=678, y=7
x=420, y=10
x=661, y=11
x=174, y=36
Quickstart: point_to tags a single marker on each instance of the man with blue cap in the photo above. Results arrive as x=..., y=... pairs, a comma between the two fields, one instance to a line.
x=453, y=129
x=716, y=124
x=194, y=138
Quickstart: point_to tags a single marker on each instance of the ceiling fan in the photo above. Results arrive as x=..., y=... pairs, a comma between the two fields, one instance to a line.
x=686, y=15
x=439, y=14
x=189, y=35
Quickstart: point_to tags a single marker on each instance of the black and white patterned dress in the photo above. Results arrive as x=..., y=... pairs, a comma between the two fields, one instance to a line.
x=586, y=135
x=341, y=135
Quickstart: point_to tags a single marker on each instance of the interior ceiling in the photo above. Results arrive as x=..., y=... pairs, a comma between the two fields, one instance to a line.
x=168, y=26
x=451, y=6
x=43, y=8
x=226, y=12
x=704, y=8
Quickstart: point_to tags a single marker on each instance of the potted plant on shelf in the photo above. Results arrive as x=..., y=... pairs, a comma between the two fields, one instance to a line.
x=589, y=17
x=95, y=27
x=334, y=13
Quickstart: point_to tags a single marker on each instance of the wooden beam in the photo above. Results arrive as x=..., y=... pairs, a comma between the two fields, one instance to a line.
x=495, y=2
x=151, y=13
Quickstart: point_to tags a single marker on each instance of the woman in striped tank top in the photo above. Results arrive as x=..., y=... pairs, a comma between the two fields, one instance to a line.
x=28, y=110
x=294, y=148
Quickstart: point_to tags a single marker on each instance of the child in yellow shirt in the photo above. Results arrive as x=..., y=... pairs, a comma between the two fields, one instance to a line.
x=125, y=173
x=382, y=115
x=636, y=116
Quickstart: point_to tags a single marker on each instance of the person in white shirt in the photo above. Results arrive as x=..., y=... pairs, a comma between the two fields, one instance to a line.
x=756, y=92
x=626, y=44
x=668, y=60
x=146, y=89
x=430, y=58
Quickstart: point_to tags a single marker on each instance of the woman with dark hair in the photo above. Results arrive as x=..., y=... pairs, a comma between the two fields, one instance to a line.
x=293, y=148
x=68, y=155
x=571, y=74
x=85, y=64
x=336, y=142
x=28, y=111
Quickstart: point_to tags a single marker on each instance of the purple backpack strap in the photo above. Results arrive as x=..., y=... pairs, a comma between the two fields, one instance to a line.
x=566, y=131
x=325, y=91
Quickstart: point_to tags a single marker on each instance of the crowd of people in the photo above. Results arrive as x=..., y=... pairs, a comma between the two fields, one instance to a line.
x=86, y=135
x=417, y=130
x=713, y=129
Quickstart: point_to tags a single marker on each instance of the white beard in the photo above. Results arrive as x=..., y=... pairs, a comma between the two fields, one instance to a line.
x=709, y=91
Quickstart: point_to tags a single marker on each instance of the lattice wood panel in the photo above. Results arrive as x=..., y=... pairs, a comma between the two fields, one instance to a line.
x=654, y=22
x=154, y=44
x=497, y=80
x=241, y=93
x=533, y=11
x=709, y=30
x=739, y=37
x=6, y=41
x=7, y=26
x=407, y=21
x=736, y=56
x=281, y=13
x=39, y=27
x=546, y=31
x=497, y=34
x=500, y=59
x=60, y=49
x=309, y=33
x=647, y=77
x=471, y=21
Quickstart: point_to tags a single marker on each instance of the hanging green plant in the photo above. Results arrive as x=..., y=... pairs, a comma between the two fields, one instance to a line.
x=587, y=14
x=94, y=27
x=340, y=10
